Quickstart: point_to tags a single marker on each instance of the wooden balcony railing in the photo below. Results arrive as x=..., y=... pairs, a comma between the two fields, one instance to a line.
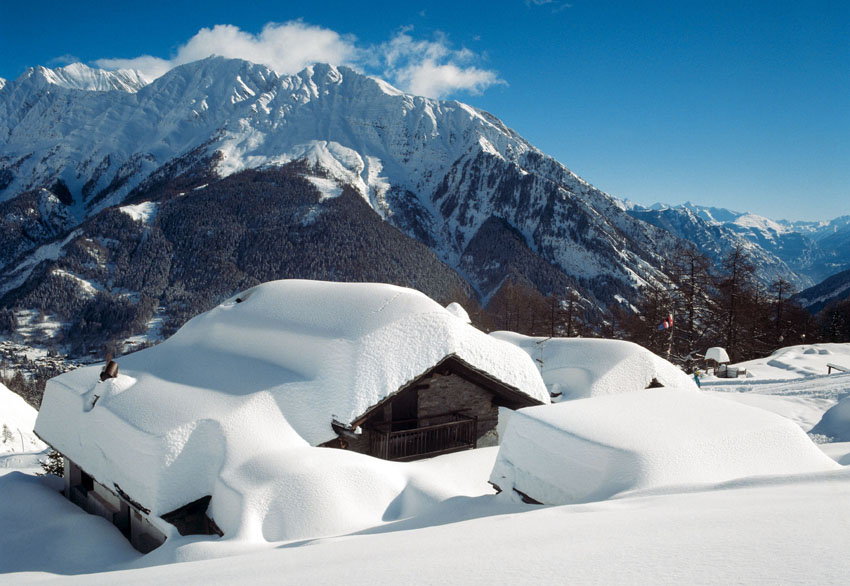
x=452, y=433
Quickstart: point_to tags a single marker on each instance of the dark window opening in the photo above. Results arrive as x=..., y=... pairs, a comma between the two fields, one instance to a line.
x=86, y=481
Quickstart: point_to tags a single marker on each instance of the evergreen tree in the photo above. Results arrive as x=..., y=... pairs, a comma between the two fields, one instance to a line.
x=53, y=464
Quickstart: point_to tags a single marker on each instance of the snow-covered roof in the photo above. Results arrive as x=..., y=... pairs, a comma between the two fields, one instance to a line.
x=575, y=368
x=717, y=354
x=266, y=370
x=592, y=449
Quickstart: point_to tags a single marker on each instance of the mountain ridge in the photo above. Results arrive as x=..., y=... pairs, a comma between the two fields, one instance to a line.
x=404, y=154
x=485, y=202
x=804, y=253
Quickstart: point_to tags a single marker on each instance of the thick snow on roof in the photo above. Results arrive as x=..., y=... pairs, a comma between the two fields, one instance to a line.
x=586, y=367
x=592, y=449
x=17, y=419
x=717, y=354
x=801, y=408
x=256, y=376
x=798, y=361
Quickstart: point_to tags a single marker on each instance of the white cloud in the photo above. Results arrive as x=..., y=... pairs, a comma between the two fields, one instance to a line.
x=556, y=6
x=149, y=67
x=425, y=67
x=286, y=48
x=433, y=68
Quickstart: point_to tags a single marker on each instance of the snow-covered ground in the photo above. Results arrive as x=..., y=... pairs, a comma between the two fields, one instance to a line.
x=793, y=383
x=798, y=361
x=788, y=527
x=231, y=404
x=17, y=420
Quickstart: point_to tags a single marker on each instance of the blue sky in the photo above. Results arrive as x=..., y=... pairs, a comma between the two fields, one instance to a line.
x=744, y=105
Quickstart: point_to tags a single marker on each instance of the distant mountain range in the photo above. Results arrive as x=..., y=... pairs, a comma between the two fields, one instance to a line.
x=833, y=289
x=804, y=253
x=127, y=204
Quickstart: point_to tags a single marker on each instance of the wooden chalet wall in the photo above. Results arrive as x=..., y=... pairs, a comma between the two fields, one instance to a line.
x=449, y=387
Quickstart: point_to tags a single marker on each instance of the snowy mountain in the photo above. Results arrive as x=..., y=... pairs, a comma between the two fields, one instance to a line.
x=804, y=253
x=437, y=170
x=365, y=183
x=717, y=239
x=445, y=174
x=712, y=215
x=81, y=77
x=818, y=231
x=835, y=288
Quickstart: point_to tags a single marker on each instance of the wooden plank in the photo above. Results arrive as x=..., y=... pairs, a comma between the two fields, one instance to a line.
x=830, y=367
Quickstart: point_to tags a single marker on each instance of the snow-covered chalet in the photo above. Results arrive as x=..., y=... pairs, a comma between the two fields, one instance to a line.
x=377, y=369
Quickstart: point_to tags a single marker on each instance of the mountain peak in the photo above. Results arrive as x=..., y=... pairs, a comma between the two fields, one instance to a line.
x=78, y=76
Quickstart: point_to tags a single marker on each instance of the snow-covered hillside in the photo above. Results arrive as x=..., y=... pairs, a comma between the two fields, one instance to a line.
x=834, y=289
x=17, y=420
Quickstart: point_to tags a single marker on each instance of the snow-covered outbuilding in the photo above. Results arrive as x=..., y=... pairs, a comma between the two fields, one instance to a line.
x=578, y=368
x=377, y=369
x=595, y=448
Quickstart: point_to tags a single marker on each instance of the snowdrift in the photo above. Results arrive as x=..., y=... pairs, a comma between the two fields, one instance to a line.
x=592, y=449
x=798, y=361
x=17, y=420
x=576, y=368
x=214, y=409
x=313, y=492
x=835, y=423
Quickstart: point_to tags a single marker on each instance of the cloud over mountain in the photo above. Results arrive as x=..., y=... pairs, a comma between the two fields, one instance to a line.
x=425, y=67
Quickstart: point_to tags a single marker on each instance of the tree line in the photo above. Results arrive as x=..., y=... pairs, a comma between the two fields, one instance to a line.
x=723, y=305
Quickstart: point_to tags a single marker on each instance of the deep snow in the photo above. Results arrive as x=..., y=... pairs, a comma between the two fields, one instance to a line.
x=592, y=449
x=232, y=401
x=835, y=423
x=575, y=368
x=798, y=361
x=17, y=419
x=791, y=530
x=782, y=528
